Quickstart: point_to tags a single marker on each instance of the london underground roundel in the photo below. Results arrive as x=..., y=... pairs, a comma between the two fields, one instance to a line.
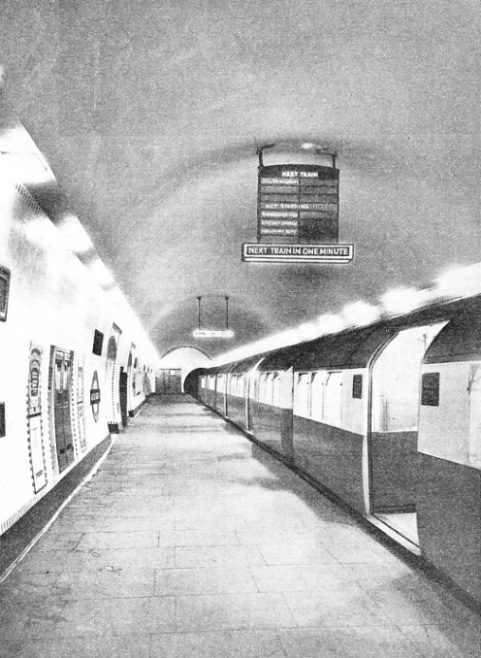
x=95, y=396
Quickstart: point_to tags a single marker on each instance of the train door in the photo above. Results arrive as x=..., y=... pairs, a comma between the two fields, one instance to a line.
x=61, y=386
x=123, y=393
x=393, y=437
x=130, y=380
x=285, y=400
x=249, y=395
x=475, y=416
x=231, y=386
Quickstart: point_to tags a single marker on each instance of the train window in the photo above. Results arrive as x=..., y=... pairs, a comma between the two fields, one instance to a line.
x=269, y=387
x=261, y=387
x=276, y=389
x=430, y=389
x=255, y=388
x=333, y=398
x=4, y=292
x=318, y=387
x=357, y=386
x=238, y=387
x=302, y=402
x=98, y=343
x=264, y=388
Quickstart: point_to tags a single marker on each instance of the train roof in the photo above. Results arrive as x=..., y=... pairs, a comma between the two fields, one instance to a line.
x=460, y=340
x=353, y=347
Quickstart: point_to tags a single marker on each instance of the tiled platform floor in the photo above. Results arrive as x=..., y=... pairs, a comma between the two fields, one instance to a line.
x=193, y=543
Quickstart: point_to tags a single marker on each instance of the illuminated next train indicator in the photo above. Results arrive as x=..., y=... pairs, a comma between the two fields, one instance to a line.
x=298, y=202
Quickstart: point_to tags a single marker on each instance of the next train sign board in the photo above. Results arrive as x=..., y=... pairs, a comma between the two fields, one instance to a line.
x=297, y=216
x=298, y=201
x=302, y=253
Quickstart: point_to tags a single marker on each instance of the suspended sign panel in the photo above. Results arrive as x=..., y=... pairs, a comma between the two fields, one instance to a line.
x=300, y=202
x=213, y=333
x=293, y=253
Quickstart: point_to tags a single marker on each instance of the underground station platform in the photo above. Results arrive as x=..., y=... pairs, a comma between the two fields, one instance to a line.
x=192, y=541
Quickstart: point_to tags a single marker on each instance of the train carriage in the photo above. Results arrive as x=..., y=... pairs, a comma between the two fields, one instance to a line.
x=387, y=417
x=449, y=498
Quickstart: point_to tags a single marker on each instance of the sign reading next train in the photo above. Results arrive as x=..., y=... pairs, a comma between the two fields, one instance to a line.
x=301, y=253
x=299, y=202
x=298, y=205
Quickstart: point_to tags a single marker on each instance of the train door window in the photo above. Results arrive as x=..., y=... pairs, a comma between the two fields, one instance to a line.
x=318, y=387
x=357, y=387
x=302, y=395
x=333, y=398
x=276, y=389
x=265, y=388
x=256, y=388
x=269, y=387
x=260, y=387
x=272, y=378
x=239, y=383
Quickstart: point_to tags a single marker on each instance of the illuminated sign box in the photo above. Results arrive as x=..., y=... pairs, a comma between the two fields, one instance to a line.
x=213, y=333
x=297, y=253
x=300, y=202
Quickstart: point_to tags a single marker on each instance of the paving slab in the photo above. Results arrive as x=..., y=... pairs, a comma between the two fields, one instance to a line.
x=192, y=542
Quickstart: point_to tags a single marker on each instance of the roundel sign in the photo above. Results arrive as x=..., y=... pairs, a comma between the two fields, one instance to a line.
x=95, y=396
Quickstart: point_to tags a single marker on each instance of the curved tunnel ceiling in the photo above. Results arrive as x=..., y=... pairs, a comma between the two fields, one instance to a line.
x=148, y=113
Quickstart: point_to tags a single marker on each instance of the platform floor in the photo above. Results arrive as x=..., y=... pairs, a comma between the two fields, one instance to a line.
x=192, y=542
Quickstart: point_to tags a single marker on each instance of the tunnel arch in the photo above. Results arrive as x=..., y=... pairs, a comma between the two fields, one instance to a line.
x=185, y=359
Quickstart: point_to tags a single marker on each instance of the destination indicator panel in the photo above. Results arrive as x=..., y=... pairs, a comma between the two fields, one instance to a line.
x=300, y=202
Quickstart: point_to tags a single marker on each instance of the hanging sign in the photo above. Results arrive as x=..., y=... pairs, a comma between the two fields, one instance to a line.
x=287, y=253
x=213, y=333
x=297, y=215
x=298, y=201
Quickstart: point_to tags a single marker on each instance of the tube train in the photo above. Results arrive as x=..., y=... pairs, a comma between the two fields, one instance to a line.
x=387, y=417
x=75, y=362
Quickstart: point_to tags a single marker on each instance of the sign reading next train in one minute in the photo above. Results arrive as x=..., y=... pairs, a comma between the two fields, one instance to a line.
x=298, y=201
